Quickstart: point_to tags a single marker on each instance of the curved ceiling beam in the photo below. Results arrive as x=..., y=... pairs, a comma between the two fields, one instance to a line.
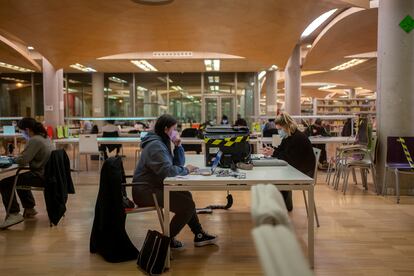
x=23, y=52
x=354, y=32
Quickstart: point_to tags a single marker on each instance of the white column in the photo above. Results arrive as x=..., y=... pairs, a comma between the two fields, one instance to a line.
x=395, y=82
x=351, y=93
x=98, y=97
x=293, y=83
x=271, y=93
x=147, y=103
x=52, y=94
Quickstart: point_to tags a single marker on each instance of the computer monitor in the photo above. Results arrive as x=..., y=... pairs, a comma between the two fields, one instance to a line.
x=231, y=141
x=9, y=130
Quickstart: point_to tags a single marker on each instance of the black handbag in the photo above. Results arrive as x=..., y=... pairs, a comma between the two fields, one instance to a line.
x=153, y=253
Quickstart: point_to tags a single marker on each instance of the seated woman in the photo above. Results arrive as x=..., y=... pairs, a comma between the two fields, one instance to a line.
x=156, y=163
x=296, y=149
x=35, y=154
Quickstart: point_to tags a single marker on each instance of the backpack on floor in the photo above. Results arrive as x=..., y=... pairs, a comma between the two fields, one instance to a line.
x=153, y=254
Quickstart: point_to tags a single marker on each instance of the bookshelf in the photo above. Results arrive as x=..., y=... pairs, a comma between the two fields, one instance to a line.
x=354, y=106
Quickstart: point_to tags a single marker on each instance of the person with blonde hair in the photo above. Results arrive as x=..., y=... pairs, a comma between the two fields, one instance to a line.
x=296, y=149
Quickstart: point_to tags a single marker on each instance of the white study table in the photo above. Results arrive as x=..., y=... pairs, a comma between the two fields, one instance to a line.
x=135, y=141
x=286, y=178
x=4, y=172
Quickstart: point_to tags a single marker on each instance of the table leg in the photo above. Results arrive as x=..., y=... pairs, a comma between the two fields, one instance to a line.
x=167, y=222
x=15, y=142
x=311, y=237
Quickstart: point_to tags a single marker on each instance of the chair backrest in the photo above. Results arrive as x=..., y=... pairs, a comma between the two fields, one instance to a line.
x=317, y=153
x=59, y=132
x=374, y=148
x=395, y=152
x=88, y=143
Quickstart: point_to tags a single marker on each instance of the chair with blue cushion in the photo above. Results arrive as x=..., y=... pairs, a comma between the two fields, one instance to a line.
x=397, y=161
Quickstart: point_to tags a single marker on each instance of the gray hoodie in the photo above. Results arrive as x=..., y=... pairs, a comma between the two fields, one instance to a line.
x=157, y=162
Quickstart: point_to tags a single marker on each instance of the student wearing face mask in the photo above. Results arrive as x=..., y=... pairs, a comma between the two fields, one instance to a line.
x=158, y=160
x=35, y=154
x=296, y=149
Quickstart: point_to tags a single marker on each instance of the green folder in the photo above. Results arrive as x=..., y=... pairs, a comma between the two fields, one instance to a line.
x=59, y=130
x=66, y=131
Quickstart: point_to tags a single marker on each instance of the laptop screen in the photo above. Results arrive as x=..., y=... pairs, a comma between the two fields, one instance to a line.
x=216, y=161
x=9, y=130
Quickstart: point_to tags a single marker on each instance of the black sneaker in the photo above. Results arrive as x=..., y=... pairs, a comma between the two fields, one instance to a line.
x=176, y=244
x=203, y=238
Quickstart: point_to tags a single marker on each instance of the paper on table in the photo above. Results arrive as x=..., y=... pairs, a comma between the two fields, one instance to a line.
x=276, y=140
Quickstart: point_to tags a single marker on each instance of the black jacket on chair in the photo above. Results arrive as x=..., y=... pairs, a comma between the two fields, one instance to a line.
x=108, y=237
x=58, y=184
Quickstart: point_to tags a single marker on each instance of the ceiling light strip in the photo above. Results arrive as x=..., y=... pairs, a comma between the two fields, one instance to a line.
x=14, y=67
x=144, y=65
x=82, y=68
x=348, y=64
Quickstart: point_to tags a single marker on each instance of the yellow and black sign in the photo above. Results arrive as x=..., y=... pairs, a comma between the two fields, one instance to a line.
x=226, y=142
x=406, y=152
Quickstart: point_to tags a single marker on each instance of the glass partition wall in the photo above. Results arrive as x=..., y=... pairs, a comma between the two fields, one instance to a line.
x=190, y=97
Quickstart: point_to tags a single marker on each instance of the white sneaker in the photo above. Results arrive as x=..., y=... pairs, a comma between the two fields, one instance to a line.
x=12, y=219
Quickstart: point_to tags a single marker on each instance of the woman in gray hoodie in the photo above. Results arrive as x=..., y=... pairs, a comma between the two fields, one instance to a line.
x=157, y=162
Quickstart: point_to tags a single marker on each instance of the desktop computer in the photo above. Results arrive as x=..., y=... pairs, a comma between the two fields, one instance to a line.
x=233, y=142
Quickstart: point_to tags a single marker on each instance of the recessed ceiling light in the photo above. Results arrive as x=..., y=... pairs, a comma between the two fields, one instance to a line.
x=30, y=48
x=308, y=46
x=348, y=64
x=152, y=2
x=212, y=64
x=144, y=65
x=82, y=68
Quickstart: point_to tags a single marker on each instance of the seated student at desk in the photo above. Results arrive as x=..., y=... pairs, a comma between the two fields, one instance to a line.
x=156, y=163
x=296, y=149
x=35, y=154
x=317, y=129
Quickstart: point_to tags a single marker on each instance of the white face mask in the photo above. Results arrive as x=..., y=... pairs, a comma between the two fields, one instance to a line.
x=25, y=135
x=282, y=133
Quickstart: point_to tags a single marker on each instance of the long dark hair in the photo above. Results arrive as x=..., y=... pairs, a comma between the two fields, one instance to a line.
x=33, y=125
x=164, y=121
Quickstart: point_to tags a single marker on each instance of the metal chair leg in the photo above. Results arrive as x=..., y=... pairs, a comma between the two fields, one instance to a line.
x=384, y=183
x=397, y=185
x=346, y=180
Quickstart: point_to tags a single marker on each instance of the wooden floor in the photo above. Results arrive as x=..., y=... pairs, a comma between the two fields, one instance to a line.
x=360, y=234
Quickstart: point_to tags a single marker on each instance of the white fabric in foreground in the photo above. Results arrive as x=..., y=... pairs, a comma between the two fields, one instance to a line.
x=279, y=251
x=268, y=206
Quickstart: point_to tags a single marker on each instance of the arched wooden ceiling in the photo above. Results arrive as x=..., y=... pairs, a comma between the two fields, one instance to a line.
x=363, y=75
x=355, y=34
x=66, y=32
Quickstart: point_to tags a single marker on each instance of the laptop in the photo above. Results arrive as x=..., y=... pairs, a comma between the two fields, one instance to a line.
x=210, y=171
x=9, y=130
